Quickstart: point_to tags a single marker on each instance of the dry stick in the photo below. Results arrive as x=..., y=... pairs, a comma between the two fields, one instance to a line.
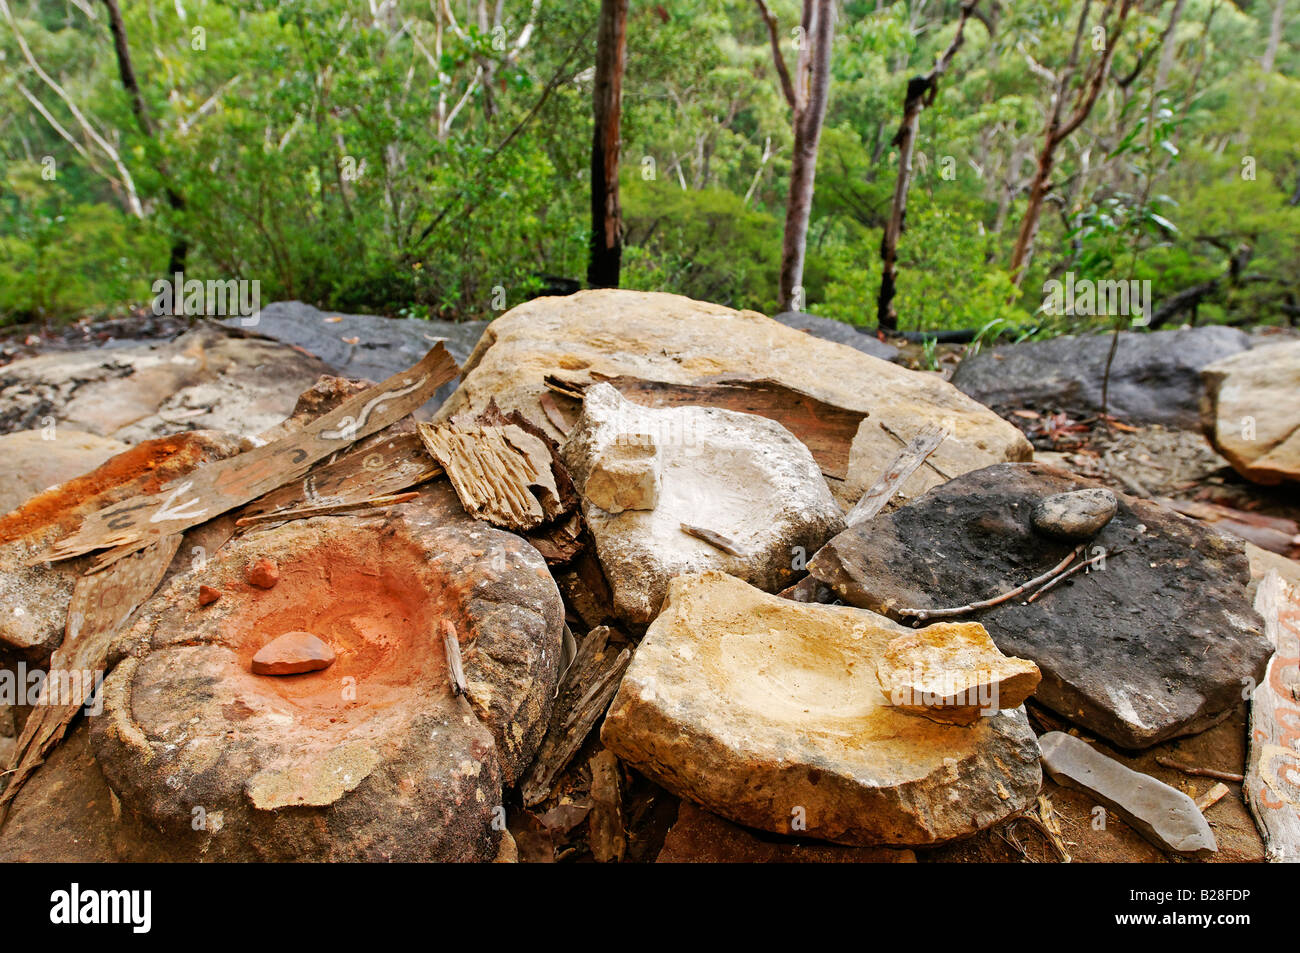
x=895, y=434
x=326, y=509
x=903, y=466
x=1199, y=772
x=923, y=614
x=1212, y=797
x=1071, y=571
x=451, y=643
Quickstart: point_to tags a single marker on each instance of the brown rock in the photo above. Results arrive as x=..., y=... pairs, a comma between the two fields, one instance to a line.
x=698, y=837
x=35, y=460
x=953, y=673
x=208, y=595
x=292, y=654
x=264, y=574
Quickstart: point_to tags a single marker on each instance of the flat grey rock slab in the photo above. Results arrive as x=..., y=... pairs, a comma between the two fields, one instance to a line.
x=1163, y=815
x=1155, y=378
x=363, y=345
x=828, y=329
x=1160, y=643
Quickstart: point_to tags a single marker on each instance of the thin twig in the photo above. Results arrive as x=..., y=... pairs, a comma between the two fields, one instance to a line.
x=1199, y=772
x=1071, y=571
x=923, y=614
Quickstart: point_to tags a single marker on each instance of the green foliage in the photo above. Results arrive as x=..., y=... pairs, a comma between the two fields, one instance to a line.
x=360, y=160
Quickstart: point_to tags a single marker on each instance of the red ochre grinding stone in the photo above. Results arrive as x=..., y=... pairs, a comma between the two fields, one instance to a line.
x=292, y=654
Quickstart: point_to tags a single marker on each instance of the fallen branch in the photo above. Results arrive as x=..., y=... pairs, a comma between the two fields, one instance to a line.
x=923, y=614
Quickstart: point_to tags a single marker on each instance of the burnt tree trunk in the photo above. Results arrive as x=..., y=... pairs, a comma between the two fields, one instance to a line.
x=180, y=247
x=921, y=91
x=606, y=251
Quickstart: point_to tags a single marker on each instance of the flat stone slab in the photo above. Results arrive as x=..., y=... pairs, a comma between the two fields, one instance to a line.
x=35, y=460
x=1251, y=411
x=676, y=340
x=1165, y=816
x=1155, y=377
x=828, y=329
x=742, y=477
x=1159, y=643
x=205, y=379
x=768, y=712
x=366, y=346
x=372, y=758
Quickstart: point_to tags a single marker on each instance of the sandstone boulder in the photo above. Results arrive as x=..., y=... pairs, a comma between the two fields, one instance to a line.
x=1154, y=379
x=767, y=712
x=371, y=758
x=1157, y=644
x=1251, y=411
x=205, y=379
x=673, y=339
x=738, y=476
x=35, y=460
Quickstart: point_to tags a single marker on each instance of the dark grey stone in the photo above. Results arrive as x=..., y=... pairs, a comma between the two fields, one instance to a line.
x=1159, y=643
x=1163, y=815
x=384, y=347
x=831, y=330
x=1155, y=378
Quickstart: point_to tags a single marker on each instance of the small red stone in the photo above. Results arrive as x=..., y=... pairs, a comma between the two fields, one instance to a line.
x=208, y=595
x=264, y=574
x=292, y=654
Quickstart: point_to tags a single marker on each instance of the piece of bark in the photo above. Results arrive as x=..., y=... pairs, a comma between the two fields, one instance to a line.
x=218, y=487
x=1272, y=785
x=502, y=474
x=382, y=465
x=1276, y=534
x=100, y=605
x=605, y=831
x=900, y=468
x=827, y=430
x=553, y=413
x=587, y=691
x=326, y=509
x=451, y=644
